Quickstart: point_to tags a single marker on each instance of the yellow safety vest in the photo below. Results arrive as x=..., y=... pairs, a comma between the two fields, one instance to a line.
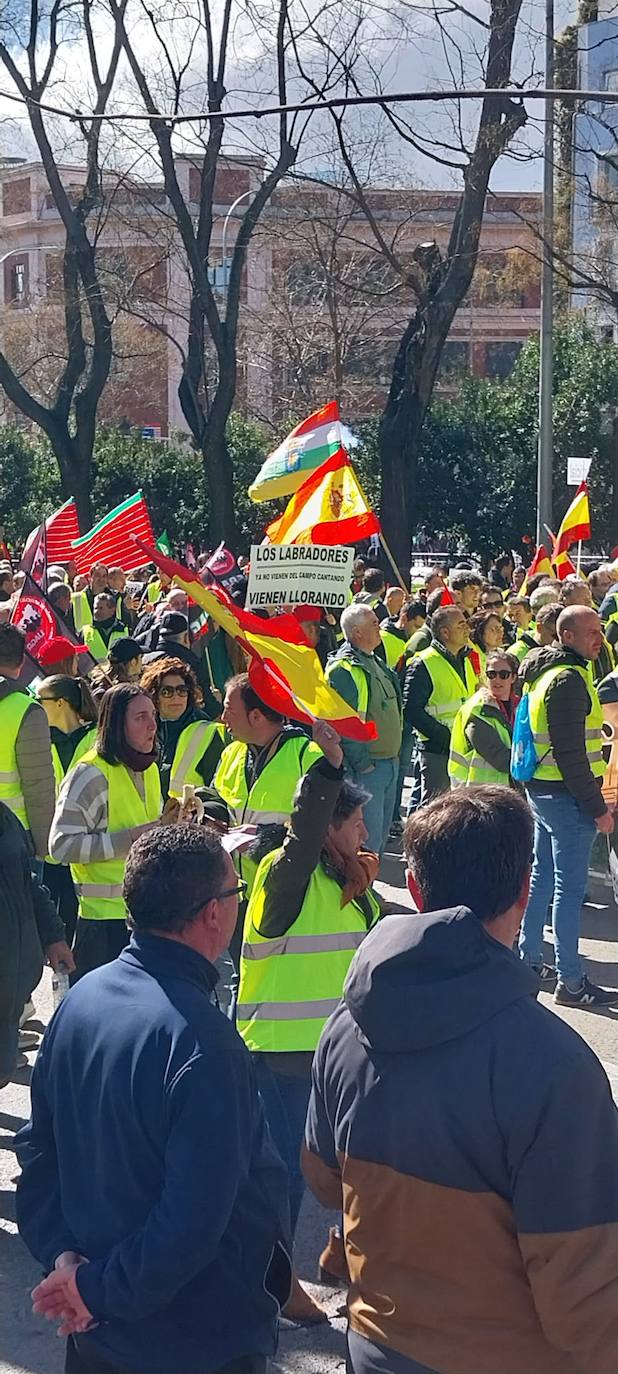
x=448, y=692
x=99, y=885
x=547, y=769
x=465, y=766
x=270, y=799
x=12, y=711
x=394, y=647
x=153, y=592
x=289, y=985
x=190, y=748
x=96, y=643
x=82, y=610
x=522, y=646
x=85, y=743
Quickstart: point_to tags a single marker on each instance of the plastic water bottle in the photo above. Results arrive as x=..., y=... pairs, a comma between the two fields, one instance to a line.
x=60, y=984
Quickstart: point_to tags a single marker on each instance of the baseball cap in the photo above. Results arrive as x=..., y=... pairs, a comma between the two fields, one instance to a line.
x=123, y=650
x=172, y=623
x=58, y=648
x=307, y=612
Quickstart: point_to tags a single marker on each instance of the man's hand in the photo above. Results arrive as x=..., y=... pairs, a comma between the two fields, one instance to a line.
x=605, y=823
x=57, y=1298
x=328, y=740
x=59, y=953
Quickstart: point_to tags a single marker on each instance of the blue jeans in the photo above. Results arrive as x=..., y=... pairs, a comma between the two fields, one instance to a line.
x=285, y=1101
x=381, y=782
x=563, y=836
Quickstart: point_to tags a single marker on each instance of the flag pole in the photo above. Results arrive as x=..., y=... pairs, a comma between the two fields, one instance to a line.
x=579, y=557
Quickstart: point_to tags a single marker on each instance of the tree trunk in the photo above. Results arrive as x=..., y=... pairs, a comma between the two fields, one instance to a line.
x=75, y=477
x=613, y=528
x=220, y=481
x=398, y=437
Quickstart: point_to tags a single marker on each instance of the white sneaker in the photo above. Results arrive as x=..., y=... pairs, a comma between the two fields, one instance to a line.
x=28, y=1012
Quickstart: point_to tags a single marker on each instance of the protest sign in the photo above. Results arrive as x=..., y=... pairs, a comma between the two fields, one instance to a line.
x=300, y=575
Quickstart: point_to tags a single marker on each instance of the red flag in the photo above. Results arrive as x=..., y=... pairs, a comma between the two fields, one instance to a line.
x=41, y=623
x=447, y=599
x=60, y=529
x=111, y=541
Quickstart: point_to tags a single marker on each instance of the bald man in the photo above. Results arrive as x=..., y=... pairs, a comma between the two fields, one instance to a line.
x=565, y=796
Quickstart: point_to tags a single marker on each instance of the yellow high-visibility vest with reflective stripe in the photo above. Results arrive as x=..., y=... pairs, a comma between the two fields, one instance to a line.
x=289, y=985
x=191, y=747
x=12, y=711
x=84, y=744
x=466, y=768
x=82, y=610
x=96, y=643
x=547, y=769
x=270, y=799
x=448, y=690
x=99, y=885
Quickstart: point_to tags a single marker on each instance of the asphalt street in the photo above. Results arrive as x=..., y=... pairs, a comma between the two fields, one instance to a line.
x=29, y=1344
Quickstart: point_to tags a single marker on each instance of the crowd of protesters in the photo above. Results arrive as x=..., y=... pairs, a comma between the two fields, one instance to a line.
x=245, y=1018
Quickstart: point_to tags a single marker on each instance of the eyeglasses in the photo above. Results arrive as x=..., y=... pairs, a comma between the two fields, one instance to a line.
x=502, y=673
x=492, y=605
x=238, y=891
x=181, y=691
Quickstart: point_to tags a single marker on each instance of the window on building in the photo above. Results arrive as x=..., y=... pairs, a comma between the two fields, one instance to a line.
x=611, y=80
x=500, y=358
x=455, y=358
x=16, y=281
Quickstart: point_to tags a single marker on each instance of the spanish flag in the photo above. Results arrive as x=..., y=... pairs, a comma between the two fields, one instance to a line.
x=541, y=563
x=284, y=668
x=563, y=567
x=329, y=508
x=575, y=525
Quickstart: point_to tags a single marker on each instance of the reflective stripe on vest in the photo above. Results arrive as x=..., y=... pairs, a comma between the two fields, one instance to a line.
x=99, y=884
x=85, y=743
x=290, y=984
x=448, y=692
x=190, y=748
x=465, y=767
x=547, y=769
x=96, y=643
x=359, y=679
x=12, y=711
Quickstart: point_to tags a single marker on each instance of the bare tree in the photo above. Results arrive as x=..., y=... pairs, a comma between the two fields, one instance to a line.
x=436, y=281
x=68, y=415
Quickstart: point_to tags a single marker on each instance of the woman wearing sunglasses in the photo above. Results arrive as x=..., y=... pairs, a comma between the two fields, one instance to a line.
x=486, y=635
x=190, y=745
x=481, y=736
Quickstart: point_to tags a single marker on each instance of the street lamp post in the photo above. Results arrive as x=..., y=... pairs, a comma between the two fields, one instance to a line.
x=226, y=221
x=544, y=516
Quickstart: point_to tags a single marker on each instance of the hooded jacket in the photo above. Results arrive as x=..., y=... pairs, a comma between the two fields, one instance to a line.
x=472, y=1137
x=568, y=703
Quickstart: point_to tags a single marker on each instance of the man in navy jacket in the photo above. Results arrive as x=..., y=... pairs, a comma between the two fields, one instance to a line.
x=150, y=1188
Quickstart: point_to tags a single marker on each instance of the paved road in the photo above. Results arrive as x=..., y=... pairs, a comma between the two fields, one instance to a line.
x=28, y=1346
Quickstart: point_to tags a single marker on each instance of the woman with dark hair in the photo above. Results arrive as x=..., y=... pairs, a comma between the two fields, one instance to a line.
x=483, y=727
x=107, y=799
x=71, y=716
x=311, y=905
x=486, y=635
x=190, y=745
x=123, y=664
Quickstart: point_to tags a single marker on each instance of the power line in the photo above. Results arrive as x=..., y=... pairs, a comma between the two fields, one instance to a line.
x=331, y=103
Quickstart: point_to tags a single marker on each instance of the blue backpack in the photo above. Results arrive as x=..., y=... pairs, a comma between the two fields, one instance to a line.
x=524, y=760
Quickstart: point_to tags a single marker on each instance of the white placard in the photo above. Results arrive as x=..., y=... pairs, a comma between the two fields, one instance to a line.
x=299, y=575
x=577, y=471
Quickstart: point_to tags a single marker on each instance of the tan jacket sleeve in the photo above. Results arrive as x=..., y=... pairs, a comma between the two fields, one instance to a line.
x=34, y=764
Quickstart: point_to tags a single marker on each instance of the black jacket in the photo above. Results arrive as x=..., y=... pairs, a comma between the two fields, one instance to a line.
x=568, y=703
x=417, y=689
x=168, y=648
x=28, y=920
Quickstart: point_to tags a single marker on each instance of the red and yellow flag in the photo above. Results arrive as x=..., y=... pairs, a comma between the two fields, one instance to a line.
x=541, y=563
x=563, y=567
x=329, y=508
x=284, y=668
x=576, y=523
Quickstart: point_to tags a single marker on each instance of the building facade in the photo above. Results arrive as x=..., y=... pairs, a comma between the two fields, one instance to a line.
x=321, y=310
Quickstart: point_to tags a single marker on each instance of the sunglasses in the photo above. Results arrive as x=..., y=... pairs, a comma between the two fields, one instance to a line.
x=502, y=673
x=238, y=891
x=174, y=691
x=492, y=605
